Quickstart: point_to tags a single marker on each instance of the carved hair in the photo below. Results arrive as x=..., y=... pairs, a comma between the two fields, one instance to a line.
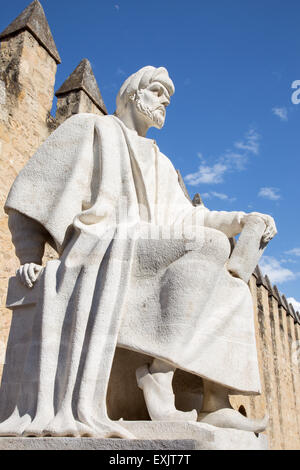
x=139, y=80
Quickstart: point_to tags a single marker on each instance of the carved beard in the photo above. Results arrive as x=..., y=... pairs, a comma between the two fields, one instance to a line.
x=154, y=114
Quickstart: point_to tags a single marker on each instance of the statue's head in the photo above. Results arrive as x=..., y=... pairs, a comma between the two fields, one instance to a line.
x=148, y=91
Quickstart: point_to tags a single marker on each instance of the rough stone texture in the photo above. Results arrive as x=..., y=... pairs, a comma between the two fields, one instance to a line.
x=207, y=437
x=86, y=443
x=83, y=79
x=27, y=75
x=33, y=19
x=75, y=102
x=247, y=250
x=276, y=335
x=197, y=200
x=153, y=436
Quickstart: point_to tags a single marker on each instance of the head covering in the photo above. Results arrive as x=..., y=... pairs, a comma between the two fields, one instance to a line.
x=141, y=79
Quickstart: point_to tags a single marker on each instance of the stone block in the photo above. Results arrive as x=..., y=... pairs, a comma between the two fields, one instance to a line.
x=207, y=437
x=86, y=443
x=153, y=436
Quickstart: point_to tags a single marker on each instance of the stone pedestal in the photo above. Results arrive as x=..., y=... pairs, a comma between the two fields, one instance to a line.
x=90, y=443
x=207, y=437
x=151, y=436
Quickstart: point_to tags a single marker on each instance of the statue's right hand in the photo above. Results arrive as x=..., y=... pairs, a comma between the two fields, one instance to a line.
x=28, y=273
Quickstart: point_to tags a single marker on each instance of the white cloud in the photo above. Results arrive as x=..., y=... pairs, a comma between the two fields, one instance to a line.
x=207, y=174
x=294, y=251
x=294, y=303
x=231, y=160
x=250, y=142
x=277, y=273
x=222, y=196
x=281, y=113
x=117, y=7
x=236, y=161
x=200, y=155
x=120, y=71
x=269, y=193
x=288, y=260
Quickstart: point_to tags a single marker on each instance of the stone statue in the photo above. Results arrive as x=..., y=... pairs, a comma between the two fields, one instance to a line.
x=139, y=267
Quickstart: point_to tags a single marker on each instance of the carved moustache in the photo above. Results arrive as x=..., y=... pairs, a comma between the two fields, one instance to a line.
x=151, y=112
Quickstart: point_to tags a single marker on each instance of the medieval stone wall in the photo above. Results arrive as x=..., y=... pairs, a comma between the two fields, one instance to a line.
x=278, y=347
x=27, y=75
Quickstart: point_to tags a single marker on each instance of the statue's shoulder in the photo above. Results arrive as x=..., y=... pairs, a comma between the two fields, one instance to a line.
x=87, y=118
x=167, y=162
x=81, y=125
x=106, y=123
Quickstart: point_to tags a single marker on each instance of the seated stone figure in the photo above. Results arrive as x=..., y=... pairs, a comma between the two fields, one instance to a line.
x=139, y=267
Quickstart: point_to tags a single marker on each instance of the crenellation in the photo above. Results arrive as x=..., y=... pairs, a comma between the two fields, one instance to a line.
x=288, y=390
x=290, y=337
x=74, y=102
x=278, y=296
x=269, y=369
x=79, y=94
x=292, y=310
x=33, y=19
x=197, y=200
x=287, y=307
x=268, y=285
x=258, y=276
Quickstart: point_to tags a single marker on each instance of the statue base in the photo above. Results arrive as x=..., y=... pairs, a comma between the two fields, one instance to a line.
x=93, y=443
x=152, y=435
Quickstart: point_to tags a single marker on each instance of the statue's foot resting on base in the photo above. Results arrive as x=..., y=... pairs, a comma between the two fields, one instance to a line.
x=217, y=410
x=230, y=418
x=159, y=396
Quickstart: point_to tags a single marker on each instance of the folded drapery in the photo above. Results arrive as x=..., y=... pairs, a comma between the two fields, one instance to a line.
x=163, y=296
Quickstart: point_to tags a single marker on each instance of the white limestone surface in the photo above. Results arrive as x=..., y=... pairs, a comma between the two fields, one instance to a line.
x=89, y=443
x=139, y=266
x=208, y=437
x=151, y=436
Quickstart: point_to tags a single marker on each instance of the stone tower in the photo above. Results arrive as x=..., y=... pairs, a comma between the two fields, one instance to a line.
x=79, y=94
x=28, y=63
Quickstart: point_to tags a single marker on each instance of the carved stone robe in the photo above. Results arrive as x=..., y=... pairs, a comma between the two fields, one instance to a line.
x=98, y=190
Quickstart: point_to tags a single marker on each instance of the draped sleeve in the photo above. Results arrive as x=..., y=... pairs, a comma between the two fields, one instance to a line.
x=230, y=223
x=28, y=236
x=53, y=185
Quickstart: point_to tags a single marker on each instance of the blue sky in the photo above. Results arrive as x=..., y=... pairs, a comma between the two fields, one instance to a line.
x=231, y=128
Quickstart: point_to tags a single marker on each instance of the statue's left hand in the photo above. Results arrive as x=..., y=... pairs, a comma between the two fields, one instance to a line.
x=270, y=230
x=28, y=273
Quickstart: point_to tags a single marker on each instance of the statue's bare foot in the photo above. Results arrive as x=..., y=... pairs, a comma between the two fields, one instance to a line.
x=229, y=418
x=160, y=400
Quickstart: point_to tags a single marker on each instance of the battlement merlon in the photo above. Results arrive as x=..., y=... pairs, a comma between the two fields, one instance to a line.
x=79, y=94
x=33, y=19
